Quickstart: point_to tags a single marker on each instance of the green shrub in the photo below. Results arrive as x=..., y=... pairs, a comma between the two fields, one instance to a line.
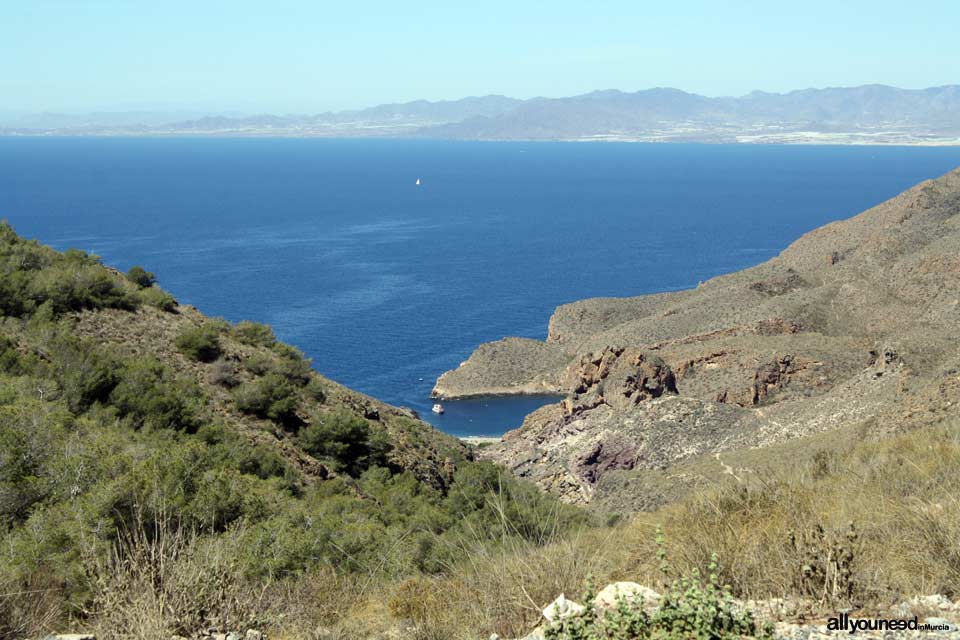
x=286, y=351
x=262, y=462
x=86, y=376
x=42, y=318
x=482, y=495
x=31, y=274
x=297, y=371
x=291, y=366
x=222, y=497
x=79, y=284
x=150, y=395
x=347, y=440
x=28, y=431
x=258, y=364
x=141, y=277
x=15, y=298
x=315, y=390
x=224, y=374
x=158, y=298
x=272, y=397
x=253, y=334
x=199, y=343
x=11, y=360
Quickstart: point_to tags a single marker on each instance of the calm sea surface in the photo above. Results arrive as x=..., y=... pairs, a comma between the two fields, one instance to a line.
x=386, y=284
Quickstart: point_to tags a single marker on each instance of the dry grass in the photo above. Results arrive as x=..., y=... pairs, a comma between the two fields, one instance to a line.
x=29, y=609
x=788, y=532
x=160, y=581
x=502, y=588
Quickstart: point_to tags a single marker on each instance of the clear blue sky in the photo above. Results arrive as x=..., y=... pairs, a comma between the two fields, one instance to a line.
x=282, y=56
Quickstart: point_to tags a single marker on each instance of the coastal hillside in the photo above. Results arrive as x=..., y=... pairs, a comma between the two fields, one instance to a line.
x=849, y=334
x=164, y=473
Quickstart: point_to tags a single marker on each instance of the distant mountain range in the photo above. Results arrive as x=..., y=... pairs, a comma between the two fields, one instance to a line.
x=870, y=114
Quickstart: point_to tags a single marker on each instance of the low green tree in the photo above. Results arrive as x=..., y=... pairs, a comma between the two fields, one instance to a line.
x=253, y=334
x=150, y=395
x=199, y=343
x=141, y=277
x=158, y=298
x=347, y=440
x=86, y=375
x=271, y=396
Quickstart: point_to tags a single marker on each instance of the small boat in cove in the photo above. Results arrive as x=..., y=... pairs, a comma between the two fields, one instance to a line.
x=438, y=408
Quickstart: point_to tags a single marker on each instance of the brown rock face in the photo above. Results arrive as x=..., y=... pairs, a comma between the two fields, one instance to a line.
x=771, y=376
x=617, y=377
x=611, y=453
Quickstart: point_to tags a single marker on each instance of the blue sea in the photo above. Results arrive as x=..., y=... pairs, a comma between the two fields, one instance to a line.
x=386, y=284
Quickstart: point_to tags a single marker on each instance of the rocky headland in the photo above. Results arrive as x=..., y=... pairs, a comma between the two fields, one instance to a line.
x=849, y=333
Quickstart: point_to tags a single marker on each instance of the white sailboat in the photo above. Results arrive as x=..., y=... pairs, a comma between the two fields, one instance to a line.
x=418, y=182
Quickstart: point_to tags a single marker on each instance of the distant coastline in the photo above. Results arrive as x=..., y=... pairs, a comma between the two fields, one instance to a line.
x=874, y=115
x=811, y=138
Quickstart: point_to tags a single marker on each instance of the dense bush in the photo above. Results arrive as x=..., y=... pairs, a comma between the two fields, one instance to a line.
x=11, y=360
x=31, y=274
x=86, y=375
x=258, y=364
x=141, y=277
x=315, y=390
x=78, y=285
x=28, y=431
x=271, y=396
x=158, y=298
x=253, y=334
x=224, y=374
x=297, y=371
x=199, y=343
x=347, y=440
x=150, y=395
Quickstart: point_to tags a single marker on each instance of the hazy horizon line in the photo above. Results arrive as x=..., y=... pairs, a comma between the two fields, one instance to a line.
x=241, y=111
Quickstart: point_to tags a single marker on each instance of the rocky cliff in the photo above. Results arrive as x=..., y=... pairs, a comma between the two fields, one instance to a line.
x=852, y=327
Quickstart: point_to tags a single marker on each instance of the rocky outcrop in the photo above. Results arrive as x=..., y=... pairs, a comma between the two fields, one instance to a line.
x=852, y=325
x=617, y=377
x=571, y=454
x=511, y=366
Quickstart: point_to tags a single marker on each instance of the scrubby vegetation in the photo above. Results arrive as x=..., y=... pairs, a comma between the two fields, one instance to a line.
x=346, y=439
x=141, y=277
x=149, y=494
x=200, y=343
x=253, y=333
x=158, y=298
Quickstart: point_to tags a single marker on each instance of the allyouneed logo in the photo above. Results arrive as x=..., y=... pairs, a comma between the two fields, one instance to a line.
x=844, y=622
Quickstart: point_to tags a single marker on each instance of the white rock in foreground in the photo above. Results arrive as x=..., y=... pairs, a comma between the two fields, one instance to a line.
x=631, y=592
x=561, y=608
